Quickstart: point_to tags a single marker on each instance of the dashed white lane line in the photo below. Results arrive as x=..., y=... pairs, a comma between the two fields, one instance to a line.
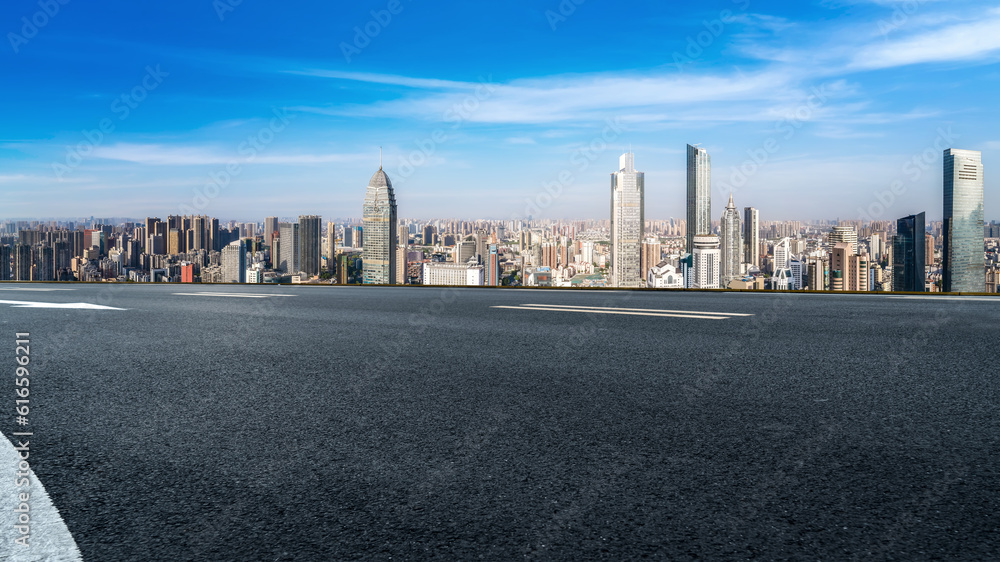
x=619, y=312
x=49, y=538
x=642, y=309
x=235, y=295
x=68, y=305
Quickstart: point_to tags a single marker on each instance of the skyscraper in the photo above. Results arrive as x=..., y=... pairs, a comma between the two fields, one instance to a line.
x=627, y=221
x=699, y=194
x=310, y=241
x=908, y=254
x=288, y=247
x=751, y=236
x=380, y=231
x=962, y=256
x=732, y=243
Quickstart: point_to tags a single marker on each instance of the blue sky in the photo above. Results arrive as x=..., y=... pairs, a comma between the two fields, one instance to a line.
x=244, y=109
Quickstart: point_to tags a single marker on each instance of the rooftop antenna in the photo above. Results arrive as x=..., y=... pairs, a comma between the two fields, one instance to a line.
x=380, y=158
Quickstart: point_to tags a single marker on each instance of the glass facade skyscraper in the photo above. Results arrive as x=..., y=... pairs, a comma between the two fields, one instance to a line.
x=627, y=221
x=908, y=254
x=381, y=231
x=962, y=259
x=699, y=194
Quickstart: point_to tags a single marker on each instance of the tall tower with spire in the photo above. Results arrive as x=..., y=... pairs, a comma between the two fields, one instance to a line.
x=381, y=230
x=732, y=243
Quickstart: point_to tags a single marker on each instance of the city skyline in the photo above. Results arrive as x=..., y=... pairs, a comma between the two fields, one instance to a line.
x=135, y=123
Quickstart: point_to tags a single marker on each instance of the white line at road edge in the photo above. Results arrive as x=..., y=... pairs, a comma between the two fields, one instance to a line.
x=642, y=309
x=74, y=305
x=50, y=538
x=241, y=295
x=991, y=299
x=599, y=311
x=31, y=289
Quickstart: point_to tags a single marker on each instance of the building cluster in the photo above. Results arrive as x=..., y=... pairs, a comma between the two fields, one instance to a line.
x=737, y=251
x=742, y=253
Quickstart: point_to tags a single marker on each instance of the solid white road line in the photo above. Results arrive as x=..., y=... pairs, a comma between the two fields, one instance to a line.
x=71, y=305
x=990, y=299
x=31, y=289
x=237, y=295
x=50, y=539
x=642, y=309
x=622, y=312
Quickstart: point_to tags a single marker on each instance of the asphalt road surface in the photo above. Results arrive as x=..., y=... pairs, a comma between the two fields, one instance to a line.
x=189, y=422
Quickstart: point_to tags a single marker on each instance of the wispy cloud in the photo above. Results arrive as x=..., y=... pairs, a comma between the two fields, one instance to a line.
x=959, y=42
x=163, y=155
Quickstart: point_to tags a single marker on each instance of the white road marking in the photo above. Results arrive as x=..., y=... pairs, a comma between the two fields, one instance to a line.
x=990, y=299
x=237, y=295
x=70, y=305
x=621, y=312
x=31, y=289
x=643, y=309
x=50, y=538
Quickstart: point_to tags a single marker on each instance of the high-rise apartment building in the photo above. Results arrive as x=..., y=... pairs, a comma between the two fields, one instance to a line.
x=380, y=231
x=357, y=237
x=751, y=236
x=848, y=271
x=627, y=222
x=5, y=258
x=782, y=254
x=651, y=250
x=234, y=262
x=402, y=255
x=270, y=228
x=908, y=254
x=706, y=262
x=310, y=244
x=732, y=243
x=22, y=262
x=331, y=246
x=492, y=266
x=962, y=257
x=699, y=194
